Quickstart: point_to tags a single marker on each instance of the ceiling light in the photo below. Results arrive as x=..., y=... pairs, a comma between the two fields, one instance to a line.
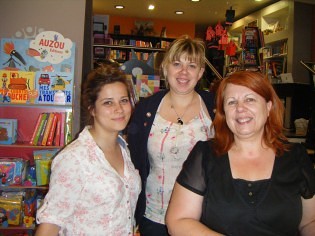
x=195, y=0
x=119, y=7
x=258, y=0
x=151, y=7
x=179, y=12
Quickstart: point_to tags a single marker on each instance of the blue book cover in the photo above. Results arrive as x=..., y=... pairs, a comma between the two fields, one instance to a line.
x=51, y=56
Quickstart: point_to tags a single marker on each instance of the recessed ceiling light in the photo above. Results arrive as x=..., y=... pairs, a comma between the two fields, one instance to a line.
x=119, y=7
x=195, y=0
x=258, y=0
x=151, y=7
x=179, y=12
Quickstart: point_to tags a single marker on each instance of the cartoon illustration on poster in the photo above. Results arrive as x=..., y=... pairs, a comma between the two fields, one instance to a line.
x=50, y=56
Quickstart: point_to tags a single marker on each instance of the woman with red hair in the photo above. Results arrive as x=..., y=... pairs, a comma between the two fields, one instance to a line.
x=247, y=180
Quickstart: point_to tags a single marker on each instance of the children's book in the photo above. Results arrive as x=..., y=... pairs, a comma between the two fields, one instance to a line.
x=38, y=121
x=56, y=141
x=52, y=131
x=68, y=127
x=42, y=131
x=62, y=129
x=47, y=128
x=16, y=86
x=147, y=85
x=8, y=131
x=39, y=130
x=50, y=58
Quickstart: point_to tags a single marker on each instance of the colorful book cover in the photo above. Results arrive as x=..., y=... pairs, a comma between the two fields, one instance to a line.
x=43, y=159
x=62, y=129
x=68, y=127
x=52, y=131
x=44, y=116
x=38, y=121
x=58, y=130
x=42, y=131
x=147, y=85
x=50, y=56
x=17, y=86
x=54, y=88
x=47, y=128
x=8, y=131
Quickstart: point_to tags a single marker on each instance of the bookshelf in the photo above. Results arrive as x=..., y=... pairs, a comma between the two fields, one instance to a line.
x=118, y=46
x=24, y=96
x=287, y=38
x=27, y=116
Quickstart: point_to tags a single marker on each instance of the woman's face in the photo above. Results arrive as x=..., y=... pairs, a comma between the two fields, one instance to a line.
x=246, y=111
x=112, y=108
x=183, y=75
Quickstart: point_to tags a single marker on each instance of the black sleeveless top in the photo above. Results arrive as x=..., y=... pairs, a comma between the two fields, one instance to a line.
x=236, y=207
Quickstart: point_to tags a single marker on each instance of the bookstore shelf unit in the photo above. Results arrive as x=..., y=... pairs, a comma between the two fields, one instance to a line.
x=287, y=36
x=118, y=46
x=26, y=115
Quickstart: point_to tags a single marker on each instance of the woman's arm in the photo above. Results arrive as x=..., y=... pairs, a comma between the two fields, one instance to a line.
x=183, y=214
x=307, y=225
x=47, y=229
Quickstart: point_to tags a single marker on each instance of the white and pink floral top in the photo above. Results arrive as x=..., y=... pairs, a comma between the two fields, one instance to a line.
x=86, y=195
x=168, y=146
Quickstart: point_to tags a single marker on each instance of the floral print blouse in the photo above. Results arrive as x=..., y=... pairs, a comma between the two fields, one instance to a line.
x=168, y=146
x=86, y=195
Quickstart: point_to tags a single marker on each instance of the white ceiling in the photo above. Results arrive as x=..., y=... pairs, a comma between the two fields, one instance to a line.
x=203, y=12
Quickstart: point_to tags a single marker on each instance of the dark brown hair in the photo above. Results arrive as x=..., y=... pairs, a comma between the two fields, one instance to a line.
x=96, y=79
x=257, y=82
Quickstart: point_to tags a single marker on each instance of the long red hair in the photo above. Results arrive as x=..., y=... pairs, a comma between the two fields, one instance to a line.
x=257, y=82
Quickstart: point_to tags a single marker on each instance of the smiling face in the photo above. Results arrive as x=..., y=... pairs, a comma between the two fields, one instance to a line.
x=183, y=75
x=112, y=108
x=246, y=111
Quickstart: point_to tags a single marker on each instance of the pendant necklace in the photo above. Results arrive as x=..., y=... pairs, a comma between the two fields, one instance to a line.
x=180, y=118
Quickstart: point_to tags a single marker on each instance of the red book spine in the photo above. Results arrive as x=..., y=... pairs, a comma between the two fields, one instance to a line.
x=58, y=129
x=62, y=129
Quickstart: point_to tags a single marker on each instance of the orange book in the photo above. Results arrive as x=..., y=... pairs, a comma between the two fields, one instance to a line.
x=47, y=128
x=52, y=130
x=36, y=128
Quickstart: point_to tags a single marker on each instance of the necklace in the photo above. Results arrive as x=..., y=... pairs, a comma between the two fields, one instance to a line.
x=180, y=118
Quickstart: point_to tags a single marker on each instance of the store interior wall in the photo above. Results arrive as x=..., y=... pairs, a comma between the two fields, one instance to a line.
x=64, y=16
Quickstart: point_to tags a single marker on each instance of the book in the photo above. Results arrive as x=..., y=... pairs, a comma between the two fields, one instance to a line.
x=38, y=131
x=58, y=130
x=54, y=88
x=39, y=118
x=41, y=130
x=8, y=131
x=68, y=127
x=47, y=128
x=51, y=66
x=52, y=130
x=16, y=87
x=62, y=128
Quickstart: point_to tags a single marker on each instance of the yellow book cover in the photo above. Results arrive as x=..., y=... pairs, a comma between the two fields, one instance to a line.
x=17, y=86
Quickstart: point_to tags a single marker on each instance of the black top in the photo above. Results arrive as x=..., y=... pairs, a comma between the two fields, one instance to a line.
x=138, y=133
x=237, y=207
